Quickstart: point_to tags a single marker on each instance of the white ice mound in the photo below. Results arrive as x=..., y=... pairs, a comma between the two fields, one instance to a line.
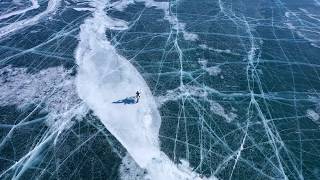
x=105, y=77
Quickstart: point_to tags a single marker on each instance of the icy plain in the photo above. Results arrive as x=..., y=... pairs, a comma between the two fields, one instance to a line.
x=229, y=90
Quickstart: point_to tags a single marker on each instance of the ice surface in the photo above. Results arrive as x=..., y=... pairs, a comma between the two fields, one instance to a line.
x=130, y=170
x=52, y=88
x=35, y=5
x=313, y=115
x=213, y=70
x=310, y=33
x=226, y=51
x=229, y=89
x=104, y=77
x=52, y=6
x=19, y=87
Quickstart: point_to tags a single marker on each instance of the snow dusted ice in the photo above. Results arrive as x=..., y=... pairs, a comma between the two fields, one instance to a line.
x=104, y=77
x=229, y=89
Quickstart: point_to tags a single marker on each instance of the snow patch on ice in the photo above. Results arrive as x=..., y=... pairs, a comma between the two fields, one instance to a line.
x=122, y=4
x=83, y=9
x=311, y=114
x=213, y=70
x=35, y=5
x=164, y=168
x=173, y=19
x=287, y=14
x=190, y=36
x=130, y=170
x=104, y=77
x=290, y=26
x=15, y=26
x=193, y=91
x=53, y=87
x=217, y=109
x=221, y=51
x=165, y=7
x=180, y=92
x=296, y=21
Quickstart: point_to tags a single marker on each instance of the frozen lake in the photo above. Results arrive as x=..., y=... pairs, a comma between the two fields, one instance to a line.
x=229, y=89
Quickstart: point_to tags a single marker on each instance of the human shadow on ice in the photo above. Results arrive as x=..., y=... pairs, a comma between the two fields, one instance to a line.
x=127, y=100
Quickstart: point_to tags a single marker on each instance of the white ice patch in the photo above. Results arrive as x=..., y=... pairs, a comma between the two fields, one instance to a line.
x=164, y=168
x=193, y=91
x=130, y=170
x=190, y=36
x=17, y=25
x=290, y=26
x=52, y=87
x=83, y=9
x=180, y=92
x=165, y=7
x=221, y=51
x=121, y=5
x=217, y=109
x=34, y=5
x=104, y=77
x=296, y=22
x=213, y=70
x=311, y=114
x=287, y=14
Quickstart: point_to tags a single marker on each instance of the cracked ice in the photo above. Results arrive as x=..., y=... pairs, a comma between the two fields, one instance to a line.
x=229, y=89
